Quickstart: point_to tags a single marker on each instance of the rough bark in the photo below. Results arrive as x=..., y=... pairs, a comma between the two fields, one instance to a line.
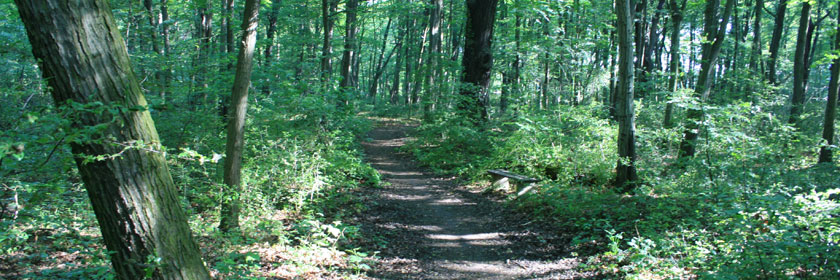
x=775, y=40
x=236, y=121
x=626, y=177
x=83, y=58
x=478, y=60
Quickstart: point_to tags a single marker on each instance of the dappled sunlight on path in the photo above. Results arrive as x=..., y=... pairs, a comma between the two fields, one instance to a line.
x=433, y=229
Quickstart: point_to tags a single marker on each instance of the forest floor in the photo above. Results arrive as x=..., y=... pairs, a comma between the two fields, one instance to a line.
x=430, y=227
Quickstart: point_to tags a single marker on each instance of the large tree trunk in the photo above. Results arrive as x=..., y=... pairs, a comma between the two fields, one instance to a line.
x=775, y=41
x=831, y=105
x=715, y=30
x=83, y=58
x=478, y=60
x=236, y=122
x=626, y=167
x=674, y=65
x=800, y=64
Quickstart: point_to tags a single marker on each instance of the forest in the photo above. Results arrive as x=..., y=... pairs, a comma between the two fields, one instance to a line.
x=419, y=139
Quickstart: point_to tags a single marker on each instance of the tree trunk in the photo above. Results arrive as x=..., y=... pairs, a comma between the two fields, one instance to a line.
x=204, y=28
x=167, y=47
x=800, y=64
x=227, y=20
x=83, y=59
x=349, y=45
x=435, y=44
x=710, y=53
x=269, y=48
x=831, y=105
x=327, y=9
x=379, y=66
x=236, y=121
x=512, y=82
x=395, y=86
x=775, y=41
x=478, y=60
x=756, y=59
x=674, y=65
x=626, y=176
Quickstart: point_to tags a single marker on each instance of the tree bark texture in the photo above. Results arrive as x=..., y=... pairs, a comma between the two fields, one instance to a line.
x=626, y=168
x=236, y=122
x=478, y=59
x=84, y=60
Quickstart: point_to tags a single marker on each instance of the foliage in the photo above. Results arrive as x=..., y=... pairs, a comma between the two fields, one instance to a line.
x=736, y=210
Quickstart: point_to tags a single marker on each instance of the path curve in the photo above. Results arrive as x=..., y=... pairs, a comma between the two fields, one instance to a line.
x=429, y=227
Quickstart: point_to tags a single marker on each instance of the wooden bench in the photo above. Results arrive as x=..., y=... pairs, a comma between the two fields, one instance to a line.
x=502, y=178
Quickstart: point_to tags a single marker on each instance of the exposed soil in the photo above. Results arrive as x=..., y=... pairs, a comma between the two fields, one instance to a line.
x=429, y=227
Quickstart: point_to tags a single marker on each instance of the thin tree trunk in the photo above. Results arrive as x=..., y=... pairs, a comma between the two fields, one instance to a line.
x=167, y=47
x=779, y=26
x=435, y=43
x=395, y=87
x=831, y=105
x=236, y=122
x=349, y=44
x=800, y=64
x=327, y=9
x=379, y=66
x=269, y=48
x=205, y=34
x=83, y=58
x=711, y=51
x=756, y=59
x=674, y=65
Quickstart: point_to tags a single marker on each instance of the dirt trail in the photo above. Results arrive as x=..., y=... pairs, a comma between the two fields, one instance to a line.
x=432, y=228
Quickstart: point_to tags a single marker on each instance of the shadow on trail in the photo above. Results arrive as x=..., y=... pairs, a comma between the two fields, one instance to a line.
x=427, y=227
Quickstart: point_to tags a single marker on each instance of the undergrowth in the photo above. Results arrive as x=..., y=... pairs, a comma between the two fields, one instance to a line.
x=301, y=177
x=751, y=205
